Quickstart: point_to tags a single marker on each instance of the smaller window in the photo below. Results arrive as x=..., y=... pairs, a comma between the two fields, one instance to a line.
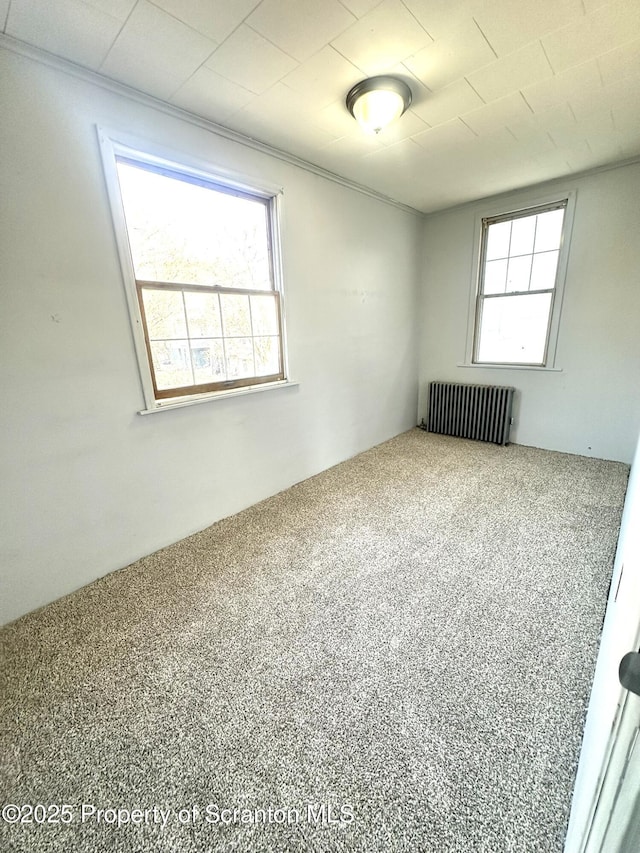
x=517, y=294
x=201, y=258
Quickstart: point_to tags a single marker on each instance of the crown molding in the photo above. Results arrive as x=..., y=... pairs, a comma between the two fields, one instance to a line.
x=72, y=69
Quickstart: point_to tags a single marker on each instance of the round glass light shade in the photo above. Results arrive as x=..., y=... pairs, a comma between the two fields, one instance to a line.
x=378, y=101
x=375, y=110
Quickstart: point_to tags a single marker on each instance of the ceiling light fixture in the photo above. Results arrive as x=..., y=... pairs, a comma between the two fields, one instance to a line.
x=377, y=101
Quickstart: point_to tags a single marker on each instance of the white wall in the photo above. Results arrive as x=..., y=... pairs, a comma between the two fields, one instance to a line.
x=88, y=485
x=591, y=407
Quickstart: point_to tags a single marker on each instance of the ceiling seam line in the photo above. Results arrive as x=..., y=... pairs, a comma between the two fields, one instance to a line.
x=482, y=33
x=419, y=23
x=119, y=33
x=6, y=17
x=475, y=90
x=553, y=70
x=185, y=24
x=272, y=43
x=346, y=59
x=477, y=135
x=522, y=95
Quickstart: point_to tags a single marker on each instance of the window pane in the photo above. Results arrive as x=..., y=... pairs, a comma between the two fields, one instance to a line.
x=164, y=313
x=543, y=272
x=519, y=273
x=264, y=315
x=498, y=240
x=267, y=352
x=171, y=364
x=513, y=329
x=522, y=234
x=235, y=314
x=495, y=276
x=188, y=234
x=239, y=358
x=208, y=361
x=549, y=230
x=203, y=315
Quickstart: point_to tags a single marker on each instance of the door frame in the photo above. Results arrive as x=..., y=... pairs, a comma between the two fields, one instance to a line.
x=620, y=634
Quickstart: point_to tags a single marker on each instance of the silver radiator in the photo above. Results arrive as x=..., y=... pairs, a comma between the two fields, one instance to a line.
x=482, y=412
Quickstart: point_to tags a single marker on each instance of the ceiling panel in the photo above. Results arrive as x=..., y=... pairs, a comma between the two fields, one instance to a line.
x=497, y=114
x=627, y=121
x=505, y=93
x=215, y=19
x=155, y=52
x=510, y=25
x=300, y=27
x=324, y=78
x=360, y=7
x=401, y=154
x=268, y=117
x=538, y=128
x=248, y=59
x=591, y=5
x=281, y=105
x=441, y=18
x=335, y=119
x=69, y=28
x=513, y=71
x=621, y=62
x=454, y=100
x=621, y=94
x=581, y=156
x=450, y=57
x=594, y=126
x=208, y=95
x=394, y=161
x=534, y=144
x=445, y=137
x=120, y=9
x=608, y=27
x=386, y=35
x=341, y=152
x=577, y=84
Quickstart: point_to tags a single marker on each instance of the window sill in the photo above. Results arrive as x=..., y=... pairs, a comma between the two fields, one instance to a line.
x=511, y=367
x=181, y=402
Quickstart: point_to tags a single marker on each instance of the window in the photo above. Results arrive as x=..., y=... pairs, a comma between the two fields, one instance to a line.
x=521, y=259
x=205, y=297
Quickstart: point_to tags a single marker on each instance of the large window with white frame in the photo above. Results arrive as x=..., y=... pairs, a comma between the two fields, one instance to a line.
x=202, y=252
x=520, y=271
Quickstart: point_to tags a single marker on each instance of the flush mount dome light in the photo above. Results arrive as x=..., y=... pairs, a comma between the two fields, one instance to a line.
x=376, y=102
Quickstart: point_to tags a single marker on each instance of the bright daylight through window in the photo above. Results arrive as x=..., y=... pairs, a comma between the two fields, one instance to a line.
x=519, y=264
x=203, y=260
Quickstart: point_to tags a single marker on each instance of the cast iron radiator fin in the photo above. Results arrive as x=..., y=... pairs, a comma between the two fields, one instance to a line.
x=482, y=412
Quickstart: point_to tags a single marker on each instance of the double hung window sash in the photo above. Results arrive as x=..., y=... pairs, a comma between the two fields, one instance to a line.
x=519, y=263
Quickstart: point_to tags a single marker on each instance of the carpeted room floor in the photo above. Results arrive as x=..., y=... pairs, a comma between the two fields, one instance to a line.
x=407, y=639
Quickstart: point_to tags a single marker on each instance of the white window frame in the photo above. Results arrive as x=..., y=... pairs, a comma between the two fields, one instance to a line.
x=511, y=209
x=114, y=144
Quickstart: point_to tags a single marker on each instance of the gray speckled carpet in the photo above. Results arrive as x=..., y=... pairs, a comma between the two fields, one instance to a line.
x=394, y=655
